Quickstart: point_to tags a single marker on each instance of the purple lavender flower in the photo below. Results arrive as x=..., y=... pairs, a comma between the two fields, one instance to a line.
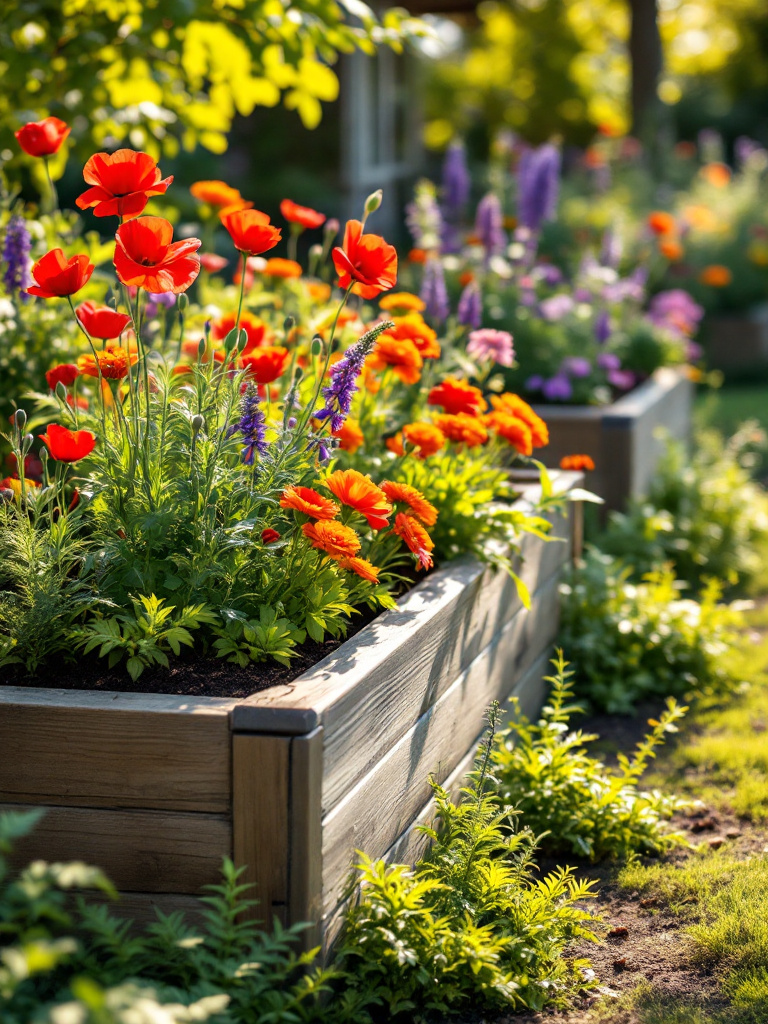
x=252, y=425
x=622, y=380
x=582, y=295
x=338, y=394
x=470, y=309
x=557, y=388
x=456, y=181
x=608, y=361
x=675, y=311
x=556, y=307
x=603, y=329
x=538, y=184
x=534, y=383
x=16, y=250
x=433, y=291
x=576, y=366
x=549, y=274
x=489, y=225
x=157, y=301
x=492, y=346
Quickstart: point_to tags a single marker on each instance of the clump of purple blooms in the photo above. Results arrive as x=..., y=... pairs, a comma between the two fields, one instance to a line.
x=676, y=311
x=252, y=425
x=434, y=293
x=343, y=386
x=489, y=225
x=469, y=311
x=556, y=307
x=538, y=185
x=16, y=249
x=455, y=193
x=157, y=301
x=492, y=346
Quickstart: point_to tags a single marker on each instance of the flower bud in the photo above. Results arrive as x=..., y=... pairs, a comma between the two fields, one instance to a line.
x=373, y=202
x=201, y=345
x=331, y=228
x=182, y=302
x=20, y=419
x=315, y=252
x=236, y=337
x=197, y=423
x=26, y=444
x=288, y=324
x=61, y=391
x=317, y=345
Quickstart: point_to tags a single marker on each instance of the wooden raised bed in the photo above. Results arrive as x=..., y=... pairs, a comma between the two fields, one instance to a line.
x=626, y=438
x=292, y=781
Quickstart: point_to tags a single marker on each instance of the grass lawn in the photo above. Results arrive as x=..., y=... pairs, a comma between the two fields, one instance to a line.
x=728, y=407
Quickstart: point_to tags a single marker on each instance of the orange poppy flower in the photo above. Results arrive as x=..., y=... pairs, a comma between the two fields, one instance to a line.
x=251, y=231
x=513, y=430
x=42, y=138
x=362, y=567
x=413, y=327
x=68, y=445
x=671, y=250
x=417, y=256
x=519, y=408
x=457, y=396
x=366, y=259
x=350, y=436
x=267, y=363
x=405, y=494
x=716, y=276
x=402, y=302
x=661, y=223
x=360, y=493
x=308, y=501
x=211, y=262
x=716, y=174
x=335, y=539
x=215, y=193
x=305, y=216
x=278, y=267
x=415, y=537
x=577, y=462
x=64, y=373
x=56, y=276
x=102, y=322
x=257, y=332
x=425, y=438
x=402, y=357
x=121, y=184
x=463, y=428
x=146, y=256
x=113, y=361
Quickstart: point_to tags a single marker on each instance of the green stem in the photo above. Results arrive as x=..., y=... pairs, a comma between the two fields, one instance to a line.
x=98, y=368
x=54, y=194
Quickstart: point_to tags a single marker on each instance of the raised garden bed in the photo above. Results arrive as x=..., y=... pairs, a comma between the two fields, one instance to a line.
x=625, y=439
x=291, y=781
x=737, y=343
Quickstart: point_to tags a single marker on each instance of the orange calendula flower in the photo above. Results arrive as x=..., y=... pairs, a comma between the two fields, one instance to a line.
x=415, y=537
x=577, y=462
x=462, y=428
x=513, y=430
x=367, y=260
x=114, y=362
x=405, y=494
x=662, y=223
x=360, y=493
x=424, y=438
x=215, y=193
x=350, y=436
x=716, y=174
x=279, y=267
x=267, y=363
x=362, y=567
x=716, y=276
x=671, y=250
x=318, y=291
x=414, y=328
x=515, y=406
x=308, y=501
x=257, y=332
x=457, y=396
x=401, y=303
x=335, y=539
x=402, y=357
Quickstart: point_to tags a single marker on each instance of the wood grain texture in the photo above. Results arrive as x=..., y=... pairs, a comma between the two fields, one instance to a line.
x=306, y=862
x=142, y=907
x=260, y=819
x=384, y=803
x=140, y=851
x=112, y=756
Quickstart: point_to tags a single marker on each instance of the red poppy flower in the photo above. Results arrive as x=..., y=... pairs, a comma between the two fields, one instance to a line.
x=257, y=332
x=211, y=262
x=57, y=276
x=366, y=259
x=146, y=256
x=122, y=184
x=251, y=231
x=457, y=396
x=269, y=536
x=43, y=138
x=302, y=215
x=65, y=373
x=68, y=445
x=266, y=364
x=102, y=322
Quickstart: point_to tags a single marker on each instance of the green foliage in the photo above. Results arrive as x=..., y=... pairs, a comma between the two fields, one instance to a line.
x=468, y=926
x=704, y=513
x=635, y=641
x=579, y=805
x=270, y=636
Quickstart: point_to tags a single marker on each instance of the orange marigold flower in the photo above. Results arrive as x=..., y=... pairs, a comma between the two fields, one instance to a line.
x=362, y=567
x=414, y=328
x=519, y=408
x=661, y=223
x=424, y=438
x=257, y=332
x=416, y=538
x=462, y=427
x=457, y=396
x=318, y=291
x=335, y=539
x=716, y=174
x=367, y=260
x=56, y=276
x=405, y=494
x=251, y=231
x=402, y=302
x=308, y=501
x=114, y=362
x=146, y=256
x=267, y=363
x=304, y=216
x=402, y=357
x=671, y=250
x=350, y=436
x=716, y=276
x=360, y=493
x=513, y=430
x=42, y=138
x=417, y=256
x=68, y=445
x=121, y=184
x=577, y=462
x=278, y=267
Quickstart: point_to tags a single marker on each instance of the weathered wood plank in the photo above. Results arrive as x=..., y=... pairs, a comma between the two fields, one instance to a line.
x=306, y=862
x=110, y=756
x=141, y=907
x=384, y=803
x=140, y=851
x=260, y=819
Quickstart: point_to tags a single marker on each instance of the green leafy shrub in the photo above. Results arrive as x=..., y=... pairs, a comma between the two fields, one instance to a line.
x=545, y=772
x=469, y=926
x=635, y=641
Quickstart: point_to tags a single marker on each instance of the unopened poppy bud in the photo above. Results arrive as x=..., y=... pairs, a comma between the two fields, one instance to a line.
x=236, y=337
x=201, y=348
x=373, y=202
x=315, y=252
x=288, y=324
x=61, y=391
x=26, y=444
x=182, y=302
x=332, y=227
x=20, y=419
x=317, y=346
x=197, y=423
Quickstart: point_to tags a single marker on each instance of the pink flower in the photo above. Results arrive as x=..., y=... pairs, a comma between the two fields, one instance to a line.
x=489, y=344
